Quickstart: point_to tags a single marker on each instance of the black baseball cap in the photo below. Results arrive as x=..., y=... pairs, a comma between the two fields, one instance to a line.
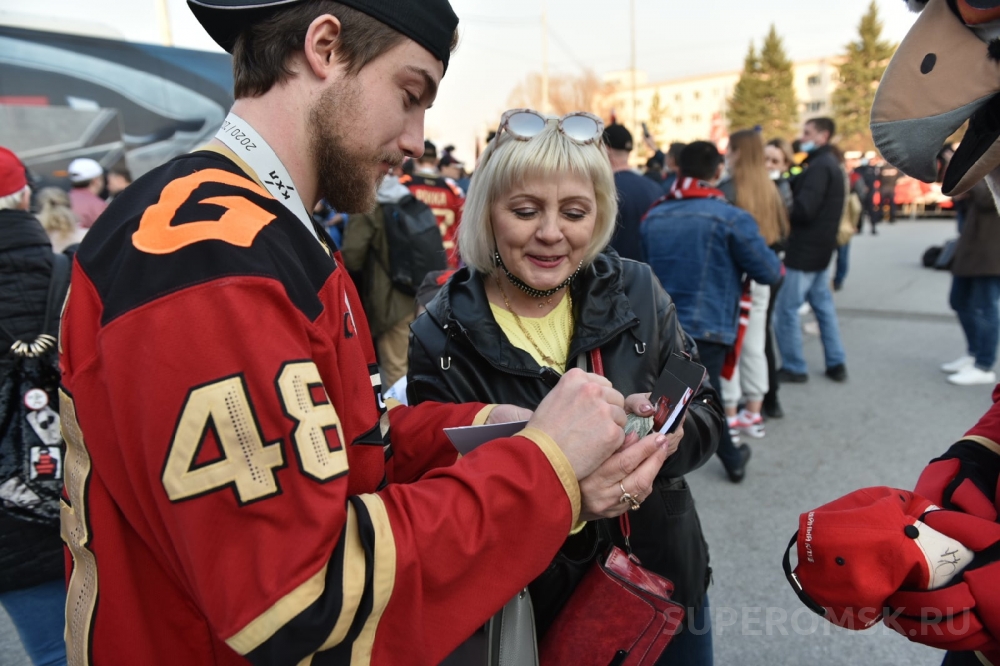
x=430, y=151
x=430, y=23
x=617, y=137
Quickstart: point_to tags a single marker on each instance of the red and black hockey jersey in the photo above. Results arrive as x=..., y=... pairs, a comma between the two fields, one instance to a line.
x=446, y=201
x=233, y=490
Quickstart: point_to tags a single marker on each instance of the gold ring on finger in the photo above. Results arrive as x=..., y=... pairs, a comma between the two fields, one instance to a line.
x=628, y=498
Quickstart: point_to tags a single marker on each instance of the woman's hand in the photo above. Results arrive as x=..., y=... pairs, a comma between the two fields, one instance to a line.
x=639, y=404
x=633, y=467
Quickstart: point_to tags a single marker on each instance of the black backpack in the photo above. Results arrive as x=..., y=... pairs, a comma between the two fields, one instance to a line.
x=31, y=444
x=415, y=245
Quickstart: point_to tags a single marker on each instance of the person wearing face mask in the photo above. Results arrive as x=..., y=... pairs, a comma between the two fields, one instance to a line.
x=818, y=206
x=543, y=293
x=779, y=159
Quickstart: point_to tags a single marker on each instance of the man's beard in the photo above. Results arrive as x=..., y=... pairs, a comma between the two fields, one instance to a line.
x=344, y=176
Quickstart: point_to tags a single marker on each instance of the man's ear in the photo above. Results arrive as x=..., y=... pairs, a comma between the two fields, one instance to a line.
x=719, y=170
x=321, y=44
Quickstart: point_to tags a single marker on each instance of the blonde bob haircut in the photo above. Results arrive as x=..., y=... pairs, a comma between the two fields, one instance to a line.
x=508, y=163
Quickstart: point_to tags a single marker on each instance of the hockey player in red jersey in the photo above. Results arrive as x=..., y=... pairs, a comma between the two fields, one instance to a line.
x=442, y=195
x=237, y=491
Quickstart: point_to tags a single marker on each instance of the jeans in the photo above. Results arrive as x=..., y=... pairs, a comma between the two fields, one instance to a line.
x=39, y=613
x=798, y=288
x=843, y=263
x=693, y=645
x=713, y=356
x=975, y=300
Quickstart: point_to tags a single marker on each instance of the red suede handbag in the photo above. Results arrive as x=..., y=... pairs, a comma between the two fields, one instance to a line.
x=619, y=615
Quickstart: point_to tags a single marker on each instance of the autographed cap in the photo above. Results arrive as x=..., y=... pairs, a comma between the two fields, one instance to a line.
x=430, y=23
x=856, y=551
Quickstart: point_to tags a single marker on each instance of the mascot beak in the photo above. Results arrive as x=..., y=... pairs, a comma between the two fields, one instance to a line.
x=941, y=76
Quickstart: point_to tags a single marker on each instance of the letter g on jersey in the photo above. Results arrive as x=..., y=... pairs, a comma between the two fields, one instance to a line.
x=239, y=224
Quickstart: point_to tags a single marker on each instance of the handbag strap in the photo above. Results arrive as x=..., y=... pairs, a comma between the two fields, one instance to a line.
x=58, y=286
x=597, y=367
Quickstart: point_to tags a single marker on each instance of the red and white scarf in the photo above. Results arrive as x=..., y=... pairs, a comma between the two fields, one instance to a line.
x=688, y=188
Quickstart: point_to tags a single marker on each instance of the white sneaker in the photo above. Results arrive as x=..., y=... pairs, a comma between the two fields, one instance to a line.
x=747, y=422
x=960, y=363
x=973, y=376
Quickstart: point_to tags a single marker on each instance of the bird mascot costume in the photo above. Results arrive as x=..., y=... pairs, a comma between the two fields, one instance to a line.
x=926, y=562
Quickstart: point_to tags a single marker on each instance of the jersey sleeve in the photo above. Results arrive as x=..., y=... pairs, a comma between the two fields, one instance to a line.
x=233, y=430
x=418, y=441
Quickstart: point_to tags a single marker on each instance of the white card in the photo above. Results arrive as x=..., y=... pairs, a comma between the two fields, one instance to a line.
x=467, y=438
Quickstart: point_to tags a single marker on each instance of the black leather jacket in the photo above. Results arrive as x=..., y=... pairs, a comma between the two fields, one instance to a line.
x=29, y=554
x=818, y=205
x=458, y=353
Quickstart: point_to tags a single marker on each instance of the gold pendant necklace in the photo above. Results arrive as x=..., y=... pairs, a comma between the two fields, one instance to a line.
x=548, y=359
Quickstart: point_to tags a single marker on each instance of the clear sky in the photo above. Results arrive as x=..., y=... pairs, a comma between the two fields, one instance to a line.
x=501, y=41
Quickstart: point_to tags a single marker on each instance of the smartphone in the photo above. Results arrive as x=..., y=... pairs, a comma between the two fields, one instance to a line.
x=680, y=380
x=645, y=131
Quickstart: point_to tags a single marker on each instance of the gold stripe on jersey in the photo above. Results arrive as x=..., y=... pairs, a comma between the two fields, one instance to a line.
x=383, y=580
x=560, y=464
x=483, y=415
x=983, y=441
x=81, y=595
x=353, y=586
x=277, y=616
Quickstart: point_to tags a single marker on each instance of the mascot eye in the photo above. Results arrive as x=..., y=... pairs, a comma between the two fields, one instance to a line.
x=928, y=64
x=840, y=561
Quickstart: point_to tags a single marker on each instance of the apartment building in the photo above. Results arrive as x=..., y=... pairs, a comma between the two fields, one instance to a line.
x=694, y=107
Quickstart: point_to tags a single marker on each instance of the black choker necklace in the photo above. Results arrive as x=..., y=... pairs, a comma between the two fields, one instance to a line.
x=526, y=288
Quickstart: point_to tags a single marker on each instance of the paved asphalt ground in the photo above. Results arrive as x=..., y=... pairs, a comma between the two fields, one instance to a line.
x=880, y=428
x=895, y=413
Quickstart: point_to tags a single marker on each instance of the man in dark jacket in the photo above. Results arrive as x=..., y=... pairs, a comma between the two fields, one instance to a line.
x=635, y=193
x=818, y=205
x=32, y=589
x=701, y=247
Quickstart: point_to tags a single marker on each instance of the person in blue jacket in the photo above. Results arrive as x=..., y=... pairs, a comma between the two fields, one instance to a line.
x=702, y=248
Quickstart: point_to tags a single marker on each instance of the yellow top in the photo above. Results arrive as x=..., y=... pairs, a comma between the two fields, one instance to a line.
x=552, y=333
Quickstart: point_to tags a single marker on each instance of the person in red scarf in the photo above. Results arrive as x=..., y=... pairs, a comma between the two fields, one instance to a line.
x=701, y=247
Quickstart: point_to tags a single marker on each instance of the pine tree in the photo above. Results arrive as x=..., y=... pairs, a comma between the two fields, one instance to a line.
x=865, y=62
x=779, y=89
x=746, y=107
x=765, y=93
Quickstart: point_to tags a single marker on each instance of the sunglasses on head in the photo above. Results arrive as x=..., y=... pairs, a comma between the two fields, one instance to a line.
x=524, y=124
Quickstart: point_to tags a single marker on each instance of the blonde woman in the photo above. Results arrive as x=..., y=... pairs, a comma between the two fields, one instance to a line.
x=58, y=219
x=751, y=188
x=540, y=295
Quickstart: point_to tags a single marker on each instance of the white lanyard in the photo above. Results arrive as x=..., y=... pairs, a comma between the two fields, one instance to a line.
x=244, y=140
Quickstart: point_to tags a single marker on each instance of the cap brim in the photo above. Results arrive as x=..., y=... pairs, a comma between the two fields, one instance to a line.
x=223, y=20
